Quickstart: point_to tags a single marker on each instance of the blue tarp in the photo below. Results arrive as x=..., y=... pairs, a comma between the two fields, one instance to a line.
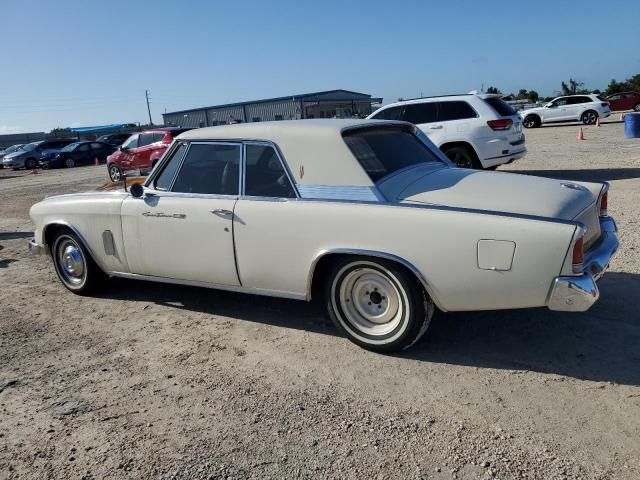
x=99, y=128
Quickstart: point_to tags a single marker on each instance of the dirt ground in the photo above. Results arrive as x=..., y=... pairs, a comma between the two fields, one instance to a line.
x=157, y=381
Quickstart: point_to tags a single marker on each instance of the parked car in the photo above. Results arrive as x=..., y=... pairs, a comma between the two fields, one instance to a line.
x=573, y=108
x=473, y=131
x=116, y=139
x=141, y=151
x=79, y=153
x=367, y=216
x=30, y=154
x=624, y=101
x=7, y=150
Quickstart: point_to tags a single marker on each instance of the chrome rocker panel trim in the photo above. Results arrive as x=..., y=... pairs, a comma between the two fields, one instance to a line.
x=579, y=293
x=215, y=286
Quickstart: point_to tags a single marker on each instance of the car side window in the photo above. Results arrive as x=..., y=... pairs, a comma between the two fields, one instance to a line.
x=83, y=148
x=265, y=175
x=456, y=110
x=96, y=146
x=422, y=112
x=210, y=168
x=145, y=139
x=164, y=180
x=393, y=113
x=132, y=142
x=614, y=97
x=559, y=102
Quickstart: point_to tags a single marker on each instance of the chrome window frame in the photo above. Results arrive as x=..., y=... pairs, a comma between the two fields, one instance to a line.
x=266, y=143
x=150, y=183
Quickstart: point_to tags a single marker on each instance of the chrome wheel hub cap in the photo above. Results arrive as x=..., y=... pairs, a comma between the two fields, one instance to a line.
x=370, y=301
x=115, y=174
x=71, y=262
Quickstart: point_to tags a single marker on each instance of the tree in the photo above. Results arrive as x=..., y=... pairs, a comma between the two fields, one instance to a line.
x=572, y=88
x=522, y=94
x=494, y=90
x=533, y=96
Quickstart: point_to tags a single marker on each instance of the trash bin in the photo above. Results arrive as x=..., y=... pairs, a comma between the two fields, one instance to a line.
x=632, y=125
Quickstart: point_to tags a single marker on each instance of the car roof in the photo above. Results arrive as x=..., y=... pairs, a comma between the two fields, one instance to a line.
x=313, y=148
x=435, y=98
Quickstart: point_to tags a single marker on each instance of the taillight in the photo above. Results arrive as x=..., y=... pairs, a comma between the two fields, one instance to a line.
x=501, y=124
x=578, y=255
x=604, y=104
x=604, y=200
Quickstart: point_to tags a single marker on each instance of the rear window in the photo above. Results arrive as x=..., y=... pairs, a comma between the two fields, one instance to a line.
x=500, y=106
x=600, y=97
x=382, y=151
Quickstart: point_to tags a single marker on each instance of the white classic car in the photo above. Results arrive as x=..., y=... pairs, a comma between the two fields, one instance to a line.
x=367, y=215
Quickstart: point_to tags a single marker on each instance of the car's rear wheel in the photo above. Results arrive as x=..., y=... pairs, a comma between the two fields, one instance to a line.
x=377, y=304
x=75, y=268
x=115, y=174
x=30, y=163
x=69, y=163
x=589, y=117
x=531, y=121
x=463, y=157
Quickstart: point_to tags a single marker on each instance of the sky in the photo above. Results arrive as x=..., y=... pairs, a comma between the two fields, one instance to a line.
x=68, y=63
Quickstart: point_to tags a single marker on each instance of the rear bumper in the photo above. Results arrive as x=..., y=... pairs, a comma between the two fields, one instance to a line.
x=35, y=249
x=578, y=293
x=516, y=154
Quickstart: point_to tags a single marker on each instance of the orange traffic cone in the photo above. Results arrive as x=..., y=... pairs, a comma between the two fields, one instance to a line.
x=598, y=122
x=580, y=134
x=97, y=162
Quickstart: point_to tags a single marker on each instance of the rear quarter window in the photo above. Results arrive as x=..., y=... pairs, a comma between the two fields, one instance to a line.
x=500, y=106
x=456, y=110
x=392, y=113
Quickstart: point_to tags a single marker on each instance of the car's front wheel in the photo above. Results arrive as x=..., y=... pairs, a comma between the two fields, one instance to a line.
x=75, y=268
x=115, y=174
x=69, y=163
x=377, y=304
x=30, y=163
x=589, y=118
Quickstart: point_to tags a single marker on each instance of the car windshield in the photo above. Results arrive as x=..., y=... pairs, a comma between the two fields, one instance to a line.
x=30, y=146
x=70, y=147
x=382, y=151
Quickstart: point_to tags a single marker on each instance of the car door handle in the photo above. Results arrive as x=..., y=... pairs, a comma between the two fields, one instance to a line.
x=435, y=127
x=222, y=212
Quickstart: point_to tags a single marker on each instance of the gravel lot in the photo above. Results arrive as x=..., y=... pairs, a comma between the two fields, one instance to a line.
x=168, y=382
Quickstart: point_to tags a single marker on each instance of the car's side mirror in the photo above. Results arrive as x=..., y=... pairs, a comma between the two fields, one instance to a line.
x=136, y=190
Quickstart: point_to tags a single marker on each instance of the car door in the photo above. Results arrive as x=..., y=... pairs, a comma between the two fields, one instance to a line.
x=456, y=116
x=425, y=116
x=127, y=152
x=81, y=153
x=556, y=111
x=142, y=157
x=182, y=227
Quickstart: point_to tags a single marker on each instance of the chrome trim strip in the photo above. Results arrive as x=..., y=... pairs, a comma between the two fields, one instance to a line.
x=215, y=286
x=341, y=192
x=370, y=253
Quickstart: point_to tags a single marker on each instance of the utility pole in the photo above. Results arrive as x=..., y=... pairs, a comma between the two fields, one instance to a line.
x=146, y=93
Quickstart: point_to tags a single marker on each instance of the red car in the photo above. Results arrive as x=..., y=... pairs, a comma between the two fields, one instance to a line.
x=141, y=151
x=625, y=101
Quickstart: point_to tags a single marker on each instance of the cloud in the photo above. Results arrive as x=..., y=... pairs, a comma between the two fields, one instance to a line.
x=7, y=129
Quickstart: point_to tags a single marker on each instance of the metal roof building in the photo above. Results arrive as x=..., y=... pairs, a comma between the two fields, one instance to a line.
x=328, y=104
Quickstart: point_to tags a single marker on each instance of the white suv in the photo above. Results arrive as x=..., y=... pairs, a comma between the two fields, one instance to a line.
x=474, y=131
x=573, y=108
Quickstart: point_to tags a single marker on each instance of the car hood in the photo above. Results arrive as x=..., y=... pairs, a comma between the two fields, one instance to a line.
x=14, y=155
x=497, y=192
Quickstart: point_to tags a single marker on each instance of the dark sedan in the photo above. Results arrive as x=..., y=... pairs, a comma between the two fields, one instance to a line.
x=78, y=153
